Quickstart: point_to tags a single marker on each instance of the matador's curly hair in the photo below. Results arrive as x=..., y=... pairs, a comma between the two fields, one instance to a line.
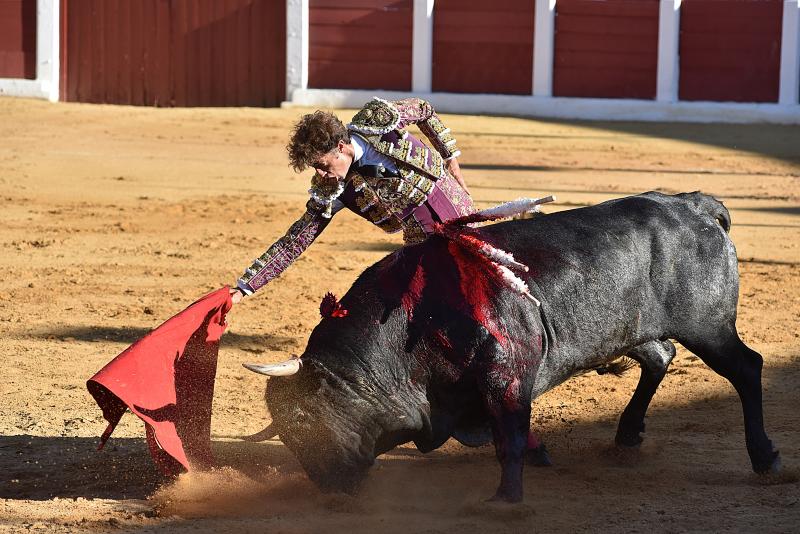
x=313, y=136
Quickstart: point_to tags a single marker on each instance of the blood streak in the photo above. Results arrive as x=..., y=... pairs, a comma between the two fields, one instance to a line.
x=478, y=289
x=413, y=294
x=511, y=396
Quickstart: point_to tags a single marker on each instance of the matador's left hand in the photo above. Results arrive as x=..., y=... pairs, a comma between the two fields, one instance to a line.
x=455, y=170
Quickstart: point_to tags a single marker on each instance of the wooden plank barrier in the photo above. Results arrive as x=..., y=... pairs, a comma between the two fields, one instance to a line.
x=606, y=49
x=730, y=50
x=481, y=47
x=175, y=52
x=360, y=44
x=18, y=39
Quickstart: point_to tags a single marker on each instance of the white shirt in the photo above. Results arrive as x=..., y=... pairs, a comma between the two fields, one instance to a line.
x=366, y=154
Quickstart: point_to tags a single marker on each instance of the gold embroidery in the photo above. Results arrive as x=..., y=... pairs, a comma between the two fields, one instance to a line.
x=413, y=232
x=378, y=214
x=419, y=159
x=408, y=194
x=440, y=136
x=391, y=225
x=376, y=117
x=324, y=186
x=324, y=191
x=358, y=181
x=405, y=147
x=384, y=219
x=367, y=199
x=392, y=193
x=400, y=151
x=424, y=185
x=436, y=167
x=416, y=179
x=437, y=126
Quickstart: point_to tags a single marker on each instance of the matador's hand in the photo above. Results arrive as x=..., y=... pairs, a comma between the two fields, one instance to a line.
x=455, y=170
x=236, y=295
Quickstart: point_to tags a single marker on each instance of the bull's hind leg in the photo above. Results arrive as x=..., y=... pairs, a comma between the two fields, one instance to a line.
x=654, y=358
x=741, y=365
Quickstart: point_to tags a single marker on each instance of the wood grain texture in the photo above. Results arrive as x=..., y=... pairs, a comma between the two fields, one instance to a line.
x=606, y=49
x=730, y=50
x=357, y=44
x=174, y=52
x=483, y=48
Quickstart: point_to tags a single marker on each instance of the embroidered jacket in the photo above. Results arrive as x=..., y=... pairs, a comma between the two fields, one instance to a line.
x=420, y=192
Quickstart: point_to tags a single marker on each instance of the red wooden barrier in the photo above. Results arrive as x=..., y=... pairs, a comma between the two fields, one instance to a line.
x=174, y=52
x=18, y=39
x=360, y=44
x=730, y=50
x=481, y=47
x=606, y=49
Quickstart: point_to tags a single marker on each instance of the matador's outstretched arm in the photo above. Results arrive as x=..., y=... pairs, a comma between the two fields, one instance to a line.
x=288, y=248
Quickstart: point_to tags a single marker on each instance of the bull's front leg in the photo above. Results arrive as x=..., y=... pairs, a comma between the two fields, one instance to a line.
x=509, y=402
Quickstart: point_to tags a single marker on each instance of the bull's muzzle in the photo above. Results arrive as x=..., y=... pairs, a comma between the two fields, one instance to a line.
x=286, y=368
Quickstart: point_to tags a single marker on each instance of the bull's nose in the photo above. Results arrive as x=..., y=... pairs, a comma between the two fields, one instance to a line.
x=342, y=480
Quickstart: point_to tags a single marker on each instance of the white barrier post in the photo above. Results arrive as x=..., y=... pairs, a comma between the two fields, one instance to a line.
x=296, y=46
x=47, y=47
x=422, y=47
x=790, y=54
x=544, y=47
x=669, y=27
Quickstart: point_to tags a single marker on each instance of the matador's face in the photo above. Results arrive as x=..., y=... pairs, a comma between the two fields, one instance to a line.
x=336, y=163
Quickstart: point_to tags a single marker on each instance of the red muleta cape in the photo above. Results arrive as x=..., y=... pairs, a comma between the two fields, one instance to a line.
x=167, y=379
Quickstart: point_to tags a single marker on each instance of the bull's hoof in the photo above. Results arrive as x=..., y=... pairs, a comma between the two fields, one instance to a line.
x=506, y=497
x=500, y=511
x=771, y=467
x=538, y=457
x=625, y=439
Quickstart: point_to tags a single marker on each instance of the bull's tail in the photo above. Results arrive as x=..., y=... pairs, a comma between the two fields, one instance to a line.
x=711, y=206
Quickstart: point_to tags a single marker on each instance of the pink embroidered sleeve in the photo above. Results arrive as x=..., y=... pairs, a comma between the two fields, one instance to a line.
x=420, y=112
x=285, y=251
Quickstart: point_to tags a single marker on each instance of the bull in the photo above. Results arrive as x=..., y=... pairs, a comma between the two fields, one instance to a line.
x=410, y=362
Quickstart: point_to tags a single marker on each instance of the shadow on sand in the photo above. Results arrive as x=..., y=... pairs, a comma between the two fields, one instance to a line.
x=44, y=467
x=129, y=335
x=543, y=168
x=775, y=141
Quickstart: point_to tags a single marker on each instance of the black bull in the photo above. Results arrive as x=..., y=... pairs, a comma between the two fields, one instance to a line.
x=408, y=363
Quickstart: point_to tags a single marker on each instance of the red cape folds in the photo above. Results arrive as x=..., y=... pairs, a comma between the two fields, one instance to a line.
x=167, y=379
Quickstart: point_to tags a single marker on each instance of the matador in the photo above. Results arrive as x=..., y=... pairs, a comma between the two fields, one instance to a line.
x=377, y=169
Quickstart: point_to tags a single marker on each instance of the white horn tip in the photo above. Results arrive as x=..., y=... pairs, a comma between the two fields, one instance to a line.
x=286, y=368
x=255, y=367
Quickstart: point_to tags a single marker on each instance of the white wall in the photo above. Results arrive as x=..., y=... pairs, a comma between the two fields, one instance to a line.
x=47, y=57
x=790, y=54
x=540, y=104
x=666, y=106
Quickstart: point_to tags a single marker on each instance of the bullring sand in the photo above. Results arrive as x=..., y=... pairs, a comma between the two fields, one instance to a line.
x=115, y=218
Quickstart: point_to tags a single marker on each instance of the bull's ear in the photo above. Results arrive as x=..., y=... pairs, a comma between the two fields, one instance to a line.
x=286, y=368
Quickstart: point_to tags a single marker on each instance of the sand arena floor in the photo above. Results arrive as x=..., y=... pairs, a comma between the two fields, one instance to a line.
x=114, y=218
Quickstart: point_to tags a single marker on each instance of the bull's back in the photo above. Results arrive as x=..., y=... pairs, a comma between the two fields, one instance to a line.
x=626, y=271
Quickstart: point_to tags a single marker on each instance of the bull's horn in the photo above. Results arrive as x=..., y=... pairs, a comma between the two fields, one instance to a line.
x=289, y=367
x=268, y=433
